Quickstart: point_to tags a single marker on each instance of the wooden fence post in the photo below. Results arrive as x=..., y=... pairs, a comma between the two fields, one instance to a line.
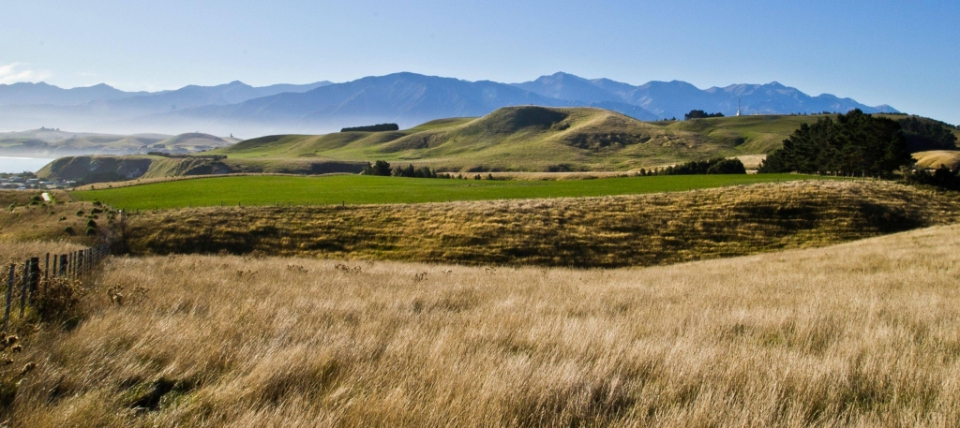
x=6, y=315
x=63, y=265
x=46, y=268
x=34, y=276
x=23, y=289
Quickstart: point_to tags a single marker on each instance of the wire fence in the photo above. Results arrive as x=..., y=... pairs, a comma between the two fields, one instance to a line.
x=26, y=282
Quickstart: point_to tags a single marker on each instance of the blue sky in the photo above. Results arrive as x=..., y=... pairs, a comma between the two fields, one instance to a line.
x=896, y=52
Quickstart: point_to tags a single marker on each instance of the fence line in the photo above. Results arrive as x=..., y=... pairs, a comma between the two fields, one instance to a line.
x=35, y=281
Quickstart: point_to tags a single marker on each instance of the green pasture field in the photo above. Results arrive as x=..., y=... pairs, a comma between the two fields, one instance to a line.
x=359, y=189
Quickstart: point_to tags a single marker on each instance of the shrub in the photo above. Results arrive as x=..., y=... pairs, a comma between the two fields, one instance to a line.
x=91, y=231
x=80, y=213
x=69, y=230
x=381, y=168
x=91, y=223
x=59, y=298
x=942, y=177
x=727, y=166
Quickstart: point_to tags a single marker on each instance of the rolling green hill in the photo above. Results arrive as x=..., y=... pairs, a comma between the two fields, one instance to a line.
x=98, y=169
x=537, y=139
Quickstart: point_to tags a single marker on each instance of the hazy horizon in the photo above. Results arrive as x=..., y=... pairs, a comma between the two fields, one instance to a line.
x=874, y=52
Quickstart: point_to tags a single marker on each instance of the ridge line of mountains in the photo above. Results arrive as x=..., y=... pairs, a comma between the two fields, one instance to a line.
x=405, y=98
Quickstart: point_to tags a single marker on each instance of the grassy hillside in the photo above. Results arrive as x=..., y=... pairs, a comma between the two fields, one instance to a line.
x=24, y=221
x=49, y=142
x=194, y=141
x=589, y=232
x=935, y=158
x=749, y=134
x=357, y=189
x=97, y=169
x=539, y=139
x=864, y=334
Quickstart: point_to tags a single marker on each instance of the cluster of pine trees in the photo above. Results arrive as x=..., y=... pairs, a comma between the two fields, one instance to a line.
x=927, y=134
x=711, y=166
x=383, y=168
x=855, y=144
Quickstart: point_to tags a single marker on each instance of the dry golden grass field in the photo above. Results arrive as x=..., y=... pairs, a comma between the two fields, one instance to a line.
x=27, y=222
x=612, y=231
x=860, y=334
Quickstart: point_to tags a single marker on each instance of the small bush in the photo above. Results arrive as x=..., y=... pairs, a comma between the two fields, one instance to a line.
x=80, y=213
x=69, y=230
x=91, y=223
x=59, y=299
x=727, y=166
x=91, y=231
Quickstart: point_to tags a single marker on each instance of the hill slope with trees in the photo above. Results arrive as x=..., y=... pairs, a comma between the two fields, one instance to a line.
x=538, y=139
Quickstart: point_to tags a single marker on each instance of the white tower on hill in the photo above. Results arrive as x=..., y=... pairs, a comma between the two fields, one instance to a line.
x=738, y=106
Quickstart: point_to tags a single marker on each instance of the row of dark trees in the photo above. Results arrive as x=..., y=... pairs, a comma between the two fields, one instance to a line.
x=700, y=114
x=383, y=168
x=380, y=127
x=711, y=166
x=855, y=144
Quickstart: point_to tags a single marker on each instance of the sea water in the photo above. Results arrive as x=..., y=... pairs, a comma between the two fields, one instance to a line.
x=17, y=165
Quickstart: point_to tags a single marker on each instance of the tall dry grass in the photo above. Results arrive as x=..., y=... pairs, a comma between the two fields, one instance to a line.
x=614, y=231
x=861, y=334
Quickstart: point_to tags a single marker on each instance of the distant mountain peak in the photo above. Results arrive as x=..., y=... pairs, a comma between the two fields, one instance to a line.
x=403, y=97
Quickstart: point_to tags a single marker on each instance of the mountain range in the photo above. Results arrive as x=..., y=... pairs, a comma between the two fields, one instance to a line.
x=404, y=98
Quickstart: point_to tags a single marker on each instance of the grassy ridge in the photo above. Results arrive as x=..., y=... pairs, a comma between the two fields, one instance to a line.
x=96, y=169
x=539, y=139
x=587, y=232
x=865, y=334
x=355, y=189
